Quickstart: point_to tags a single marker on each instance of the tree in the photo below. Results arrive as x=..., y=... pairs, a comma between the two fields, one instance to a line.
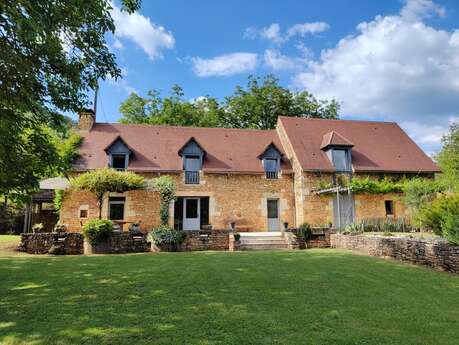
x=171, y=110
x=102, y=181
x=448, y=157
x=52, y=53
x=259, y=105
x=28, y=155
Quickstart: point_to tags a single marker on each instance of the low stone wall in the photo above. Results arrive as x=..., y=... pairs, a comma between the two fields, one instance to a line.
x=320, y=238
x=119, y=243
x=435, y=253
x=206, y=240
x=62, y=243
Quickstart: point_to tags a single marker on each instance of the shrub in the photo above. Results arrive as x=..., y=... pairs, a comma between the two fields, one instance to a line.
x=433, y=215
x=304, y=231
x=450, y=228
x=418, y=191
x=97, y=230
x=58, y=197
x=166, y=236
x=37, y=227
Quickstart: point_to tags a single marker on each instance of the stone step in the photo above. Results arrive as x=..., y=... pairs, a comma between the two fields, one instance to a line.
x=263, y=241
x=263, y=246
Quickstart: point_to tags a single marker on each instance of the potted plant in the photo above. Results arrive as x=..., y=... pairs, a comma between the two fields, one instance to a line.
x=237, y=236
x=164, y=238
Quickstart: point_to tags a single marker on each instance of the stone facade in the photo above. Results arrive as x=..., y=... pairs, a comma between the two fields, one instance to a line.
x=435, y=253
x=141, y=206
x=41, y=243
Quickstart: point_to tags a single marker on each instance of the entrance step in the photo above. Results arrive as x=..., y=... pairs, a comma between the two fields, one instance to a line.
x=262, y=241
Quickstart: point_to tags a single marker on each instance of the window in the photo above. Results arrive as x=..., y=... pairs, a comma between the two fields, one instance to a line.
x=341, y=160
x=192, y=167
x=389, y=205
x=271, y=168
x=116, y=208
x=83, y=213
x=119, y=161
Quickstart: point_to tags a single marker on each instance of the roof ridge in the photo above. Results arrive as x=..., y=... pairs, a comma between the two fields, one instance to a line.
x=184, y=127
x=334, y=120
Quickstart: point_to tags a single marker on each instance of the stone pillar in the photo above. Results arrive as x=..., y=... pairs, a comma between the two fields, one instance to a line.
x=86, y=120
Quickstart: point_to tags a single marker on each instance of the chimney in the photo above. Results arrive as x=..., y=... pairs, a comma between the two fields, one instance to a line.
x=86, y=120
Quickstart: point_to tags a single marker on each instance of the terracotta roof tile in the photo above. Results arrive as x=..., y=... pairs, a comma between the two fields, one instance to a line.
x=378, y=146
x=156, y=147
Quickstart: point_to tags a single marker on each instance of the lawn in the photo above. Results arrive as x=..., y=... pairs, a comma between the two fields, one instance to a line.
x=286, y=297
x=8, y=243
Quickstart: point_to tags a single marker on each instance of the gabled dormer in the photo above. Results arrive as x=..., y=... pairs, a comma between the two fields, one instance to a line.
x=338, y=150
x=119, y=154
x=193, y=156
x=271, y=158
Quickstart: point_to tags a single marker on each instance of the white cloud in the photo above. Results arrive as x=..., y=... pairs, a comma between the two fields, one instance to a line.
x=396, y=67
x=273, y=32
x=277, y=61
x=153, y=39
x=224, y=65
x=415, y=10
x=117, y=44
x=122, y=83
x=307, y=28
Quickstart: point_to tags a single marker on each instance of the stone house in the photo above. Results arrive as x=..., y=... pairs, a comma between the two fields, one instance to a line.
x=257, y=179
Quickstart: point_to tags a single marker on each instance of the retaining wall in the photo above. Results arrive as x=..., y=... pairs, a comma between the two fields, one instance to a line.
x=435, y=253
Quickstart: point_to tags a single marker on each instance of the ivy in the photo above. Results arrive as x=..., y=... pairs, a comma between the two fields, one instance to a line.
x=58, y=197
x=367, y=185
x=165, y=185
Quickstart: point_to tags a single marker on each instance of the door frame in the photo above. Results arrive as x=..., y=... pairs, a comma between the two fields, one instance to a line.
x=184, y=219
x=278, y=223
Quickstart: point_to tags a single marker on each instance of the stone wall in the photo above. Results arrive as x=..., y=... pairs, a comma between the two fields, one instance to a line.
x=119, y=243
x=436, y=253
x=68, y=243
x=141, y=206
x=239, y=198
x=206, y=240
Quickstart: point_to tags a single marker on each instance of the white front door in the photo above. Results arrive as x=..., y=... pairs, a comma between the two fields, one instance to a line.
x=273, y=215
x=191, y=214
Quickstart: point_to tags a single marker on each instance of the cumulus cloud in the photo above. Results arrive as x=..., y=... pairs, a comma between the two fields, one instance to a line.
x=224, y=65
x=152, y=38
x=277, y=61
x=396, y=67
x=273, y=32
x=307, y=28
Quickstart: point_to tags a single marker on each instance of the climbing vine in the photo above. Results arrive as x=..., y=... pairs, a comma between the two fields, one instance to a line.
x=367, y=185
x=165, y=185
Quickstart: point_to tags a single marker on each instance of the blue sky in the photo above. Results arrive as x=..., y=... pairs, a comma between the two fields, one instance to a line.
x=383, y=60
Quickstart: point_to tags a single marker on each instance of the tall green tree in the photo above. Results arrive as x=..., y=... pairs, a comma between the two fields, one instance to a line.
x=52, y=53
x=174, y=109
x=263, y=100
x=448, y=157
x=256, y=106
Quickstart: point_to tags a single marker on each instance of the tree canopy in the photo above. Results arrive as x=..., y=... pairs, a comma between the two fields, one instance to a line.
x=52, y=54
x=255, y=106
x=448, y=157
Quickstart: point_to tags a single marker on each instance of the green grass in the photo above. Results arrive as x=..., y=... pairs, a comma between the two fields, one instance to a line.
x=288, y=297
x=8, y=243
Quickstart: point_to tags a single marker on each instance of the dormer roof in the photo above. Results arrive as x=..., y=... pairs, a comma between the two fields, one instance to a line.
x=334, y=139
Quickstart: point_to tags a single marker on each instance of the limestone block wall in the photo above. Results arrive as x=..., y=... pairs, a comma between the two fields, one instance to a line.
x=372, y=205
x=40, y=243
x=241, y=198
x=140, y=206
x=436, y=253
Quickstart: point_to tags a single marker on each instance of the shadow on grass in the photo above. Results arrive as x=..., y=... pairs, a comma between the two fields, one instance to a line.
x=321, y=296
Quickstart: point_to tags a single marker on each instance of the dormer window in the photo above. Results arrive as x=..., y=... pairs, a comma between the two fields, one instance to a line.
x=119, y=162
x=193, y=156
x=271, y=168
x=118, y=154
x=338, y=150
x=341, y=159
x=271, y=158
